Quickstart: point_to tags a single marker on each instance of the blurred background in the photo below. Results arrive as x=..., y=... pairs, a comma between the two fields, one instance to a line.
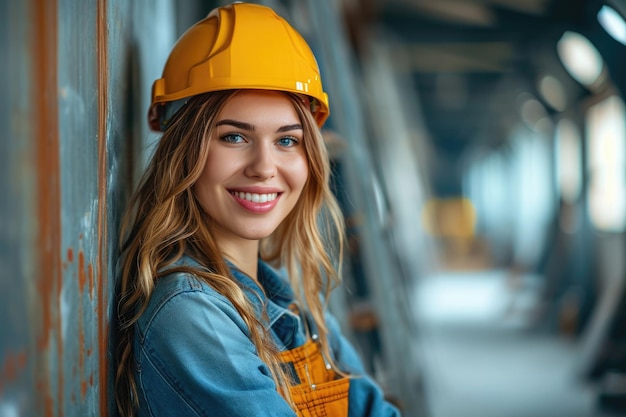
x=479, y=155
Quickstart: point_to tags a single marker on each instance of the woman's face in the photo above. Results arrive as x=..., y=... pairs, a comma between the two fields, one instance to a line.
x=256, y=166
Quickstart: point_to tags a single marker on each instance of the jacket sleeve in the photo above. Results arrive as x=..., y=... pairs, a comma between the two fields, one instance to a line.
x=366, y=398
x=195, y=359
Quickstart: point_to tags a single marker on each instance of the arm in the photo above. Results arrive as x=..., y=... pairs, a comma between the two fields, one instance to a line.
x=366, y=397
x=195, y=359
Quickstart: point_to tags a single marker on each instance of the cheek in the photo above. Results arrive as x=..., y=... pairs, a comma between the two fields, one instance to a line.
x=207, y=181
x=299, y=173
x=219, y=166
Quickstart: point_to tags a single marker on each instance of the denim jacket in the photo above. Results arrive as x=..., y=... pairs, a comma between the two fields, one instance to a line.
x=193, y=355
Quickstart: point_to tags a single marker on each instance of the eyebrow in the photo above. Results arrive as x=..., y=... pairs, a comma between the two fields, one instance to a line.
x=235, y=123
x=287, y=128
x=249, y=127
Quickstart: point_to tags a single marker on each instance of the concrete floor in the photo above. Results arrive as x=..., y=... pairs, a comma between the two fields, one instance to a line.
x=480, y=359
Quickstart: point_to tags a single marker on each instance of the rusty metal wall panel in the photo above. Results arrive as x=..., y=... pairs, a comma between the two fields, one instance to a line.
x=17, y=233
x=72, y=138
x=82, y=291
x=29, y=148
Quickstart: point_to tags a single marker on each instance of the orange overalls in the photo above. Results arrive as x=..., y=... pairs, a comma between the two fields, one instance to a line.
x=318, y=390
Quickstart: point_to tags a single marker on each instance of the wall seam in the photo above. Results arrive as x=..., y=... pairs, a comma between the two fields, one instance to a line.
x=102, y=274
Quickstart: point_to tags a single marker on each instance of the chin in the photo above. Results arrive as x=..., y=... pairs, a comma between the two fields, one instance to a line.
x=257, y=234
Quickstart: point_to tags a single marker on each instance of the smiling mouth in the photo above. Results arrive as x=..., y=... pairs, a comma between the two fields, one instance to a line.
x=254, y=197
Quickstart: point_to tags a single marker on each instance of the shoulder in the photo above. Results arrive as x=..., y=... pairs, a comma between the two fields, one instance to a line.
x=179, y=298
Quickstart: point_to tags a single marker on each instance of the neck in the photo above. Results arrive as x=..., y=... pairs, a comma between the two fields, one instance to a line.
x=245, y=256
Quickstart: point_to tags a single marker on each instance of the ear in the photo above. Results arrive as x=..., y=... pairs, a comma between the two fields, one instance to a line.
x=154, y=119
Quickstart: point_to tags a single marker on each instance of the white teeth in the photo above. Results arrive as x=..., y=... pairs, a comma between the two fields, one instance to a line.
x=256, y=198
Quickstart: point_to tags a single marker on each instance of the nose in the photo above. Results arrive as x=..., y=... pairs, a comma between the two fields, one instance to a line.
x=262, y=163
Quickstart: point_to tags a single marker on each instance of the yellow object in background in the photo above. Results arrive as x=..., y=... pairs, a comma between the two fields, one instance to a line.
x=453, y=217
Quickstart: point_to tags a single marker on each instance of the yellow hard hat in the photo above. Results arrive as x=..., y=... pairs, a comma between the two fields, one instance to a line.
x=239, y=46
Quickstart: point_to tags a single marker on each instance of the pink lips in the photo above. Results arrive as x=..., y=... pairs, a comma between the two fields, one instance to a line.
x=256, y=207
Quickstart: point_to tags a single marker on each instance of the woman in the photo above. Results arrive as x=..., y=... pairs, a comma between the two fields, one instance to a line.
x=232, y=201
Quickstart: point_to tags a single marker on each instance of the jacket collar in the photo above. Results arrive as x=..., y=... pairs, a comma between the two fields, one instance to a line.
x=272, y=301
x=275, y=298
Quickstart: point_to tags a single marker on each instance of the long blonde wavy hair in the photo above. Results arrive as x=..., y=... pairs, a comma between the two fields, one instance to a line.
x=165, y=221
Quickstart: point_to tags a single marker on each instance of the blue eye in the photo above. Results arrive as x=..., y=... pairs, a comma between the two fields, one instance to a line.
x=288, y=141
x=233, y=138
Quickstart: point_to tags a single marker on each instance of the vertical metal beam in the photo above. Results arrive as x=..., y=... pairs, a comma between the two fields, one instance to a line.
x=48, y=282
